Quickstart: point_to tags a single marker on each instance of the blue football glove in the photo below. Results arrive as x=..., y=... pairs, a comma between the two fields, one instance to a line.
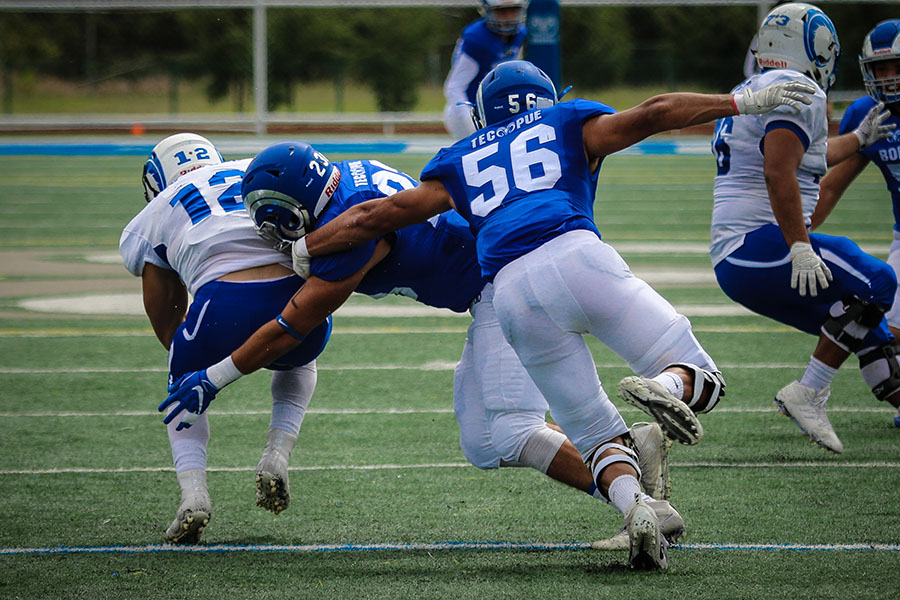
x=192, y=393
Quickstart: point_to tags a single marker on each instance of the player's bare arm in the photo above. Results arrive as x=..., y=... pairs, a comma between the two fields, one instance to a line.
x=165, y=301
x=368, y=220
x=311, y=305
x=834, y=184
x=606, y=134
x=783, y=152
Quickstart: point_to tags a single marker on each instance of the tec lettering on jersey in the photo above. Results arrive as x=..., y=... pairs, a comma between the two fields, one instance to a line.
x=492, y=134
x=358, y=174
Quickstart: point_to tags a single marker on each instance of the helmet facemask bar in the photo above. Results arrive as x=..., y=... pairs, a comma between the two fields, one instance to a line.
x=503, y=26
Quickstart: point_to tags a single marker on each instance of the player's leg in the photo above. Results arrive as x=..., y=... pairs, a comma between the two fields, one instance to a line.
x=544, y=324
x=291, y=393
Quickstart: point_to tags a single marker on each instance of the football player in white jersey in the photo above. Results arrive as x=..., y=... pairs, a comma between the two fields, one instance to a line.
x=879, y=62
x=766, y=188
x=194, y=237
x=554, y=279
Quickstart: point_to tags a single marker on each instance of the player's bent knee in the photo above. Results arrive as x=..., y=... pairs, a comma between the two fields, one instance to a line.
x=541, y=448
x=850, y=320
x=709, y=387
x=880, y=367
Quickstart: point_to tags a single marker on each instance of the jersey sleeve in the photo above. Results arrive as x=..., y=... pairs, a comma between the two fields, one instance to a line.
x=136, y=251
x=803, y=123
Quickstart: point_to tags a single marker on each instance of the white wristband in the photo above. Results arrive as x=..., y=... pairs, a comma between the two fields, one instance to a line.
x=300, y=248
x=737, y=100
x=223, y=372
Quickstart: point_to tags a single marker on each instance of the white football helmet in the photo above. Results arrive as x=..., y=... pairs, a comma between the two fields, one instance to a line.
x=504, y=25
x=800, y=37
x=882, y=44
x=173, y=157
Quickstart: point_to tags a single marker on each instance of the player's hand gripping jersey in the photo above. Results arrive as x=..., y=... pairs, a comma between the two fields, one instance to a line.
x=523, y=181
x=741, y=198
x=199, y=228
x=884, y=153
x=432, y=262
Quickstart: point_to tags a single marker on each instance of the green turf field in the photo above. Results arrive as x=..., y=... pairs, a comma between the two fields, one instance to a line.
x=383, y=504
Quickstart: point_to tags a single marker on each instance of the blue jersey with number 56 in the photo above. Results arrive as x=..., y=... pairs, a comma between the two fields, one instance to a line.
x=523, y=181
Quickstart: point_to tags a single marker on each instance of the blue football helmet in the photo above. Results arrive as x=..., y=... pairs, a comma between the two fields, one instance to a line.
x=285, y=189
x=802, y=38
x=173, y=157
x=511, y=88
x=882, y=44
x=500, y=18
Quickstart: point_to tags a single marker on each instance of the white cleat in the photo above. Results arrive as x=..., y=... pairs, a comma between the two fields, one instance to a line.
x=273, y=491
x=806, y=408
x=652, y=449
x=677, y=420
x=647, y=548
x=194, y=512
x=671, y=526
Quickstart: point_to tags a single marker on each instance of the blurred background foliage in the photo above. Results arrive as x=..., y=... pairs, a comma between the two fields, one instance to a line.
x=391, y=52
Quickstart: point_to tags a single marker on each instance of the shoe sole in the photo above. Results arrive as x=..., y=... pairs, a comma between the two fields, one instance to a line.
x=191, y=526
x=271, y=492
x=647, y=548
x=785, y=412
x=674, y=417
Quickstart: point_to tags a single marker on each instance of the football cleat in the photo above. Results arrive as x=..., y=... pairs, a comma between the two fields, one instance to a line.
x=652, y=448
x=273, y=491
x=806, y=409
x=674, y=417
x=647, y=547
x=671, y=526
x=195, y=510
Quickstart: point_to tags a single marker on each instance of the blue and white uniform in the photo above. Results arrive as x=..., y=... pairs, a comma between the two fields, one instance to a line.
x=885, y=154
x=198, y=227
x=477, y=51
x=527, y=191
x=750, y=256
x=496, y=403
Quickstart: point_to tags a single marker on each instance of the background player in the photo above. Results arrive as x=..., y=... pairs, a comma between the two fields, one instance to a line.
x=765, y=191
x=880, y=65
x=553, y=277
x=501, y=414
x=195, y=236
x=496, y=37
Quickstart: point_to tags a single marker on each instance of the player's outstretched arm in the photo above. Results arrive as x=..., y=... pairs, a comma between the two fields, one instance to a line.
x=309, y=307
x=605, y=134
x=368, y=220
x=834, y=184
x=165, y=301
x=870, y=130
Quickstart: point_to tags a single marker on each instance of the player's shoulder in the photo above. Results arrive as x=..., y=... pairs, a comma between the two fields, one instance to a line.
x=588, y=108
x=773, y=76
x=856, y=112
x=476, y=31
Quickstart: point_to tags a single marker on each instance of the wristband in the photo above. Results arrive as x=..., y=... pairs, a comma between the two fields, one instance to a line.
x=223, y=372
x=737, y=101
x=299, y=250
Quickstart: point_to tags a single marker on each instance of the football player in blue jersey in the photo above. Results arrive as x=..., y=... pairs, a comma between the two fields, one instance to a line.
x=880, y=65
x=194, y=236
x=766, y=189
x=290, y=189
x=525, y=182
x=496, y=37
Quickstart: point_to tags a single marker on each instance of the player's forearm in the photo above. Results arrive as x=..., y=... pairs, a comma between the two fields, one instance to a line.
x=841, y=147
x=680, y=110
x=270, y=342
x=354, y=226
x=787, y=206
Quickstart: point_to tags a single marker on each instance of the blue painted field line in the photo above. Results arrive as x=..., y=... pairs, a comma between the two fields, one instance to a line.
x=410, y=547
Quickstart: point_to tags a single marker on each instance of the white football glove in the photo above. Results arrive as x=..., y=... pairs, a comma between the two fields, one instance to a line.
x=300, y=257
x=790, y=93
x=807, y=268
x=872, y=128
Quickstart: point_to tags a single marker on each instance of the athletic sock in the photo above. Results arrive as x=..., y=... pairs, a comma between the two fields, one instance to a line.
x=818, y=375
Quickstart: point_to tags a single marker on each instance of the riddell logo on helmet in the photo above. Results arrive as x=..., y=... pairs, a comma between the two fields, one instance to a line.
x=333, y=183
x=189, y=169
x=772, y=63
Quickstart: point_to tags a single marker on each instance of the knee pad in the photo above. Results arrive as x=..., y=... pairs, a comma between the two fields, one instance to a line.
x=703, y=380
x=880, y=367
x=598, y=463
x=849, y=321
